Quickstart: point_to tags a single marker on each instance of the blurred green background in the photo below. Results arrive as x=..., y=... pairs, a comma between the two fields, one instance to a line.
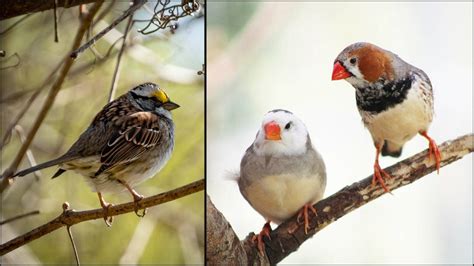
x=170, y=233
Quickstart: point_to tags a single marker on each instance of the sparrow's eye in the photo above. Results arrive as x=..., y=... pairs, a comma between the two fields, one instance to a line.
x=288, y=125
x=353, y=60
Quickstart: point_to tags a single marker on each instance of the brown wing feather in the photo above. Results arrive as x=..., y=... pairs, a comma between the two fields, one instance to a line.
x=135, y=135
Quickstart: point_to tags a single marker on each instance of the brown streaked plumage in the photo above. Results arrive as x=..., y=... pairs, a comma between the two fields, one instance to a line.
x=128, y=141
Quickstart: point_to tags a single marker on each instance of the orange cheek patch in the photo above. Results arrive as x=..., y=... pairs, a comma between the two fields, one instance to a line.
x=373, y=63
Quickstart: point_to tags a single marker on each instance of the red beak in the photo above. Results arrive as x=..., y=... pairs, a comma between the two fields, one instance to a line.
x=272, y=131
x=339, y=72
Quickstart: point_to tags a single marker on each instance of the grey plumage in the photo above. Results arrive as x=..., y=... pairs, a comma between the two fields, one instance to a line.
x=278, y=182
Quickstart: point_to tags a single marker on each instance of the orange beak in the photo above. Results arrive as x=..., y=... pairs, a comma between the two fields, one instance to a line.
x=272, y=131
x=339, y=72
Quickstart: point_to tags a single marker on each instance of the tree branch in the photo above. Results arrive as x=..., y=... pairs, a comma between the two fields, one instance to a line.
x=86, y=22
x=71, y=217
x=13, y=8
x=283, y=243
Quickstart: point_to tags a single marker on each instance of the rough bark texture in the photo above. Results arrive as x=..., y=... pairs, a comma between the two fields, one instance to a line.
x=13, y=8
x=283, y=243
x=70, y=217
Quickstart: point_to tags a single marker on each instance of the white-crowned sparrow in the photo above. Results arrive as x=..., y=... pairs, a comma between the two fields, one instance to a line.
x=281, y=172
x=394, y=98
x=128, y=141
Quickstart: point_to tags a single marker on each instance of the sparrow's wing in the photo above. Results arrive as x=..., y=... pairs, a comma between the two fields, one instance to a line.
x=135, y=134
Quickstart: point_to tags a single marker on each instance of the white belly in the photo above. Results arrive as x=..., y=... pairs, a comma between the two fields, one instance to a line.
x=402, y=122
x=279, y=197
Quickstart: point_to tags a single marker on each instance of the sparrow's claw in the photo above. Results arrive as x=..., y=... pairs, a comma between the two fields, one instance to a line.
x=259, y=238
x=105, y=205
x=304, y=213
x=136, y=198
x=378, y=172
x=433, y=150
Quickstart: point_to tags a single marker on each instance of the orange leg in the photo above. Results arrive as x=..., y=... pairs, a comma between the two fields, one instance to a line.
x=136, y=198
x=433, y=150
x=304, y=213
x=378, y=171
x=108, y=219
x=266, y=229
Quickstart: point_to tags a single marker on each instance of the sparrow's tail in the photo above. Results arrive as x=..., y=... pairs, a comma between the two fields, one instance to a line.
x=391, y=149
x=47, y=164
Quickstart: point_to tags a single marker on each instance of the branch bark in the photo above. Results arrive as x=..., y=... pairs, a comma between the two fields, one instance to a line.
x=71, y=217
x=222, y=246
x=13, y=8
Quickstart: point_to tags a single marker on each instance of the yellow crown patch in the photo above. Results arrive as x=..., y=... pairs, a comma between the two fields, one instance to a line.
x=161, y=96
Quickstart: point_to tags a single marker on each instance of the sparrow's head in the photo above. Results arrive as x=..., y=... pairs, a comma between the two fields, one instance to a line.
x=363, y=64
x=151, y=97
x=281, y=133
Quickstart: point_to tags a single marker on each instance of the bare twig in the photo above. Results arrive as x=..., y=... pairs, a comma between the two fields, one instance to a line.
x=330, y=209
x=99, y=35
x=13, y=8
x=116, y=75
x=28, y=104
x=71, y=217
x=19, y=217
x=164, y=14
x=15, y=24
x=55, y=13
x=76, y=255
x=31, y=159
x=6, y=176
x=15, y=55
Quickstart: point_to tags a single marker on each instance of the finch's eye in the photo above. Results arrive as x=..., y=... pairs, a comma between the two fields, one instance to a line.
x=353, y=60
x=288, y=125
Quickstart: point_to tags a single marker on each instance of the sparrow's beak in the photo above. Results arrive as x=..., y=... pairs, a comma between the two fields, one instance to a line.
x=272, y=131
x=339, y=72
x=170, y=105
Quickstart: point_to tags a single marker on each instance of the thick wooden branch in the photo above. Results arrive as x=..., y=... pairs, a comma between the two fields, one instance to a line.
x=283, y=243
x=13, y=8
x=71, y=217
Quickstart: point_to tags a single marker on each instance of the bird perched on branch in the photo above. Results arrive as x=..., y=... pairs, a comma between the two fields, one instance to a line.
x=128, y=141
x=394, y=98
x=281, y=173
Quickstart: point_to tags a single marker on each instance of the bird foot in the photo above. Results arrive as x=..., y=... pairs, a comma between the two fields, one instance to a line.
x=433, y=150
x=378, y=172
x=136, y=198
x=105, y=206
x=304, y=214
x=259, y=238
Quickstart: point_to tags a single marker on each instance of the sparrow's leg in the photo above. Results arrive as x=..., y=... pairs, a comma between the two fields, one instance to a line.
x=108, y=220
x=304, y=213
x=378, y=171
x=136, y=198
x=259, y=238
x=433, y=149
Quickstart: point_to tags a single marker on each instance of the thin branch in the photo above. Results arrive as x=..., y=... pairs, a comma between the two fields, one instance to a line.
x=71, y=217
x=18, y=58
x=116, y=75
x=28, y=104
x=19, y=217
x=76, y=255
x=15, y=24
x=13, y=8
x=99, y=35
x=6, y=176
x=29, y=154
x=330, y=209
x=55, y=13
